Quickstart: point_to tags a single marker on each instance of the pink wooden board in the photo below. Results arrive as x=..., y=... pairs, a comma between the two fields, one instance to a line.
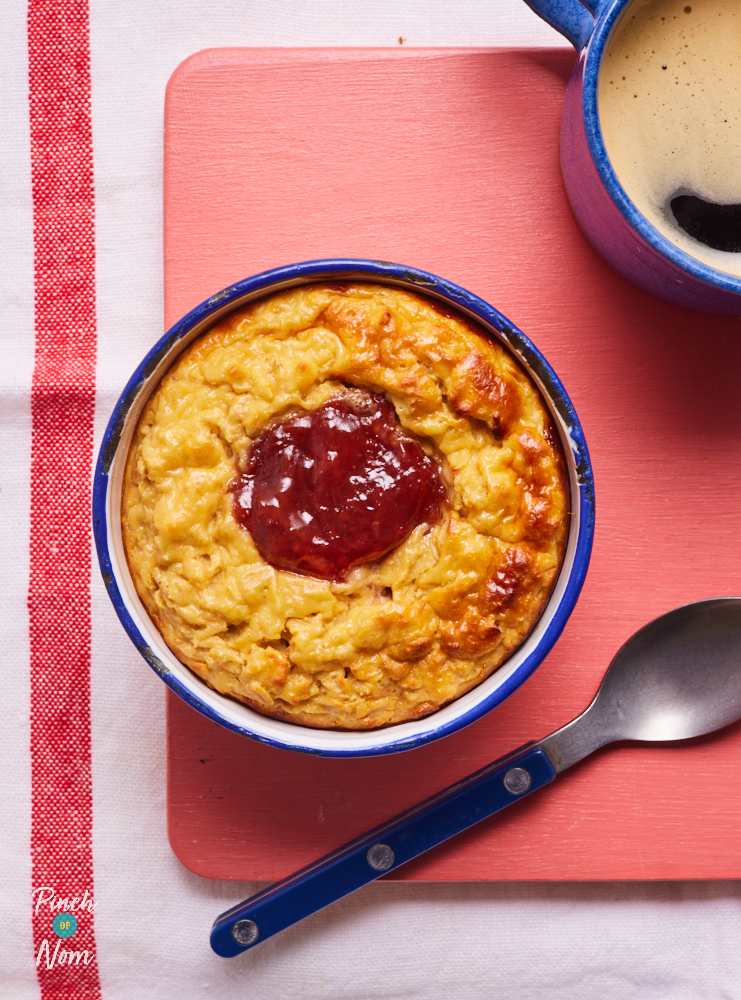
x=448, y=160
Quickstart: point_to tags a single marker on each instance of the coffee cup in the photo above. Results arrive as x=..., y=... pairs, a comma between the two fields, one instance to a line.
x=650, y=142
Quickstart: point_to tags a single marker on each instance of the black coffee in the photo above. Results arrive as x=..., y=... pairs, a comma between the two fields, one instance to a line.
x=670, y=115
x=717, y=226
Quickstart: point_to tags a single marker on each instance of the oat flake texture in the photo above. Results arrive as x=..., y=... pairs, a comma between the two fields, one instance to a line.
x=395, y=639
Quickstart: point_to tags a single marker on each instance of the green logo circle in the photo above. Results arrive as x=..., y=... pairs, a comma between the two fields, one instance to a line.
x=64, y=925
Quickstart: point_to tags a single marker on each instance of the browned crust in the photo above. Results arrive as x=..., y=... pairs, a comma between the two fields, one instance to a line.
x=467, y=618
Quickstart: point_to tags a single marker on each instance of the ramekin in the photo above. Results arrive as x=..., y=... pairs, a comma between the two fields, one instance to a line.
x=238, y=717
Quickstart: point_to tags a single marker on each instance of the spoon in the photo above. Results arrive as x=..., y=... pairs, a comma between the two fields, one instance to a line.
x=677, y=677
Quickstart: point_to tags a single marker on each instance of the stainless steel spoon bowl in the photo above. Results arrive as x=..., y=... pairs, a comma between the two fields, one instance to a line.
x=677, y=677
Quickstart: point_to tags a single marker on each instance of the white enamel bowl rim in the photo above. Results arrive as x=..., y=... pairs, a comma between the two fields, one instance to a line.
x=237, y=717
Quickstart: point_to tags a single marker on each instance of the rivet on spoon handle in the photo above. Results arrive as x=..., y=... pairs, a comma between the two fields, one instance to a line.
x=382, y=850
x=677, y=677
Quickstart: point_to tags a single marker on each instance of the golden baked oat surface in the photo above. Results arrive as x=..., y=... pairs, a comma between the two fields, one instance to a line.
x=396, y=639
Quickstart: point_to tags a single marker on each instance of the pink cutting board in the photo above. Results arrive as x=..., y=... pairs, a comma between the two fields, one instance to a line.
x=448, y=160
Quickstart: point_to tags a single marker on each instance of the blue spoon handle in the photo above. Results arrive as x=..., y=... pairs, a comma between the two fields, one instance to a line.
x=387, y=847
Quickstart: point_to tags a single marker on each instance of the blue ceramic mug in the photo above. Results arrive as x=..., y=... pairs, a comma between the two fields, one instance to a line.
x=610, y=220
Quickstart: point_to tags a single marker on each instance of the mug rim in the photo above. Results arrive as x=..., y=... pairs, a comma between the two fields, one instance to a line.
x=231, y=714
x=592, y=56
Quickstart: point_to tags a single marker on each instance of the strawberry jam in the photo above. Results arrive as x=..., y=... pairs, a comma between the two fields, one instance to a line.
x=331, y=488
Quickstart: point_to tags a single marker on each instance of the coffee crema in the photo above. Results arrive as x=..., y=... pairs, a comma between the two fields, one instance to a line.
x=670, y=111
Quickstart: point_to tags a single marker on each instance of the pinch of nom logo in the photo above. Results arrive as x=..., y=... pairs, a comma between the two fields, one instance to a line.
x=63, y=925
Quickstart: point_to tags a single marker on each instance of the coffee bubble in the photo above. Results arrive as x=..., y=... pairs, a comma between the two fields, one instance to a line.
x=670, y=111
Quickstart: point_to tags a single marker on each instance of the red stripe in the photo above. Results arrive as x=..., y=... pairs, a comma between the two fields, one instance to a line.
x=63, y=397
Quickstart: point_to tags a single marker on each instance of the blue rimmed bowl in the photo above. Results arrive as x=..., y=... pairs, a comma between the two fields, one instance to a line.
x=239, y=718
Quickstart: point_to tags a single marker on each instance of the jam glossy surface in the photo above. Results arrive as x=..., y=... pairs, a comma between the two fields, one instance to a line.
x=335, y=487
